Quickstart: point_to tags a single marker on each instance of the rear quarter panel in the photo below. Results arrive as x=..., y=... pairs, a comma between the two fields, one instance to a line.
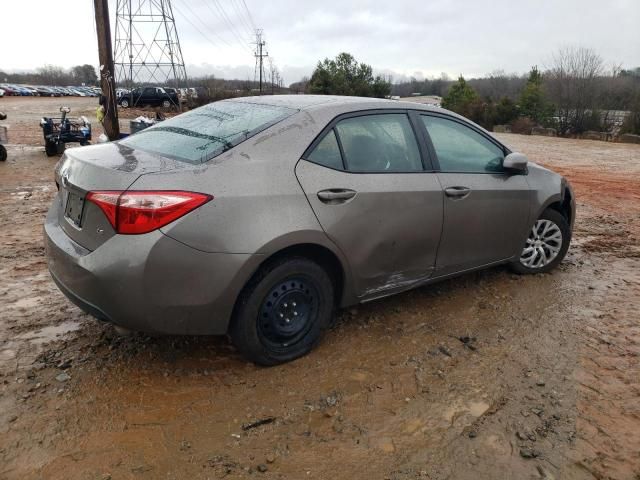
x=257, y=197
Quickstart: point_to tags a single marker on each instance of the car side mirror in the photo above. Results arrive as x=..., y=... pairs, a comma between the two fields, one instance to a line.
x=516, y=162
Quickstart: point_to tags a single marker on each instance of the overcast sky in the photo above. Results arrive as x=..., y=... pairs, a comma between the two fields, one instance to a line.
x=402, y=37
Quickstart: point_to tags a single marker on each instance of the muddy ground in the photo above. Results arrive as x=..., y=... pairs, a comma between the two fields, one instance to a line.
x=487, y=376
x=25, y=114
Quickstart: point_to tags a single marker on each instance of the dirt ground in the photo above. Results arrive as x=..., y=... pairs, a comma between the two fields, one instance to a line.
x=487, y=376
x=25, y=114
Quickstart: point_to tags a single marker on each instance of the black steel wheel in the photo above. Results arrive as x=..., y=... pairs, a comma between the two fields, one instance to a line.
x=283, y=311
x=288, y=311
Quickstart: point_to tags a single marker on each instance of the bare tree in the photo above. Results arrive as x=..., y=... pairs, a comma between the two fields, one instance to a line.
x=572, y=84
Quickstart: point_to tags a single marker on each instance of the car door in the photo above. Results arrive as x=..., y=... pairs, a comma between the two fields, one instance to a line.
x=366, y=180
x=486, y=208
x=148, y=96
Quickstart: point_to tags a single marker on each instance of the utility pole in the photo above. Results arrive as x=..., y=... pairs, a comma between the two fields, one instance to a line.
x=272, y=71
x=260, y=54
x=110, y=122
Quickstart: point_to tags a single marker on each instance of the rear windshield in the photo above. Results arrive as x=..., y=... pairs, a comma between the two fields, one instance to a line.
x=201, y=134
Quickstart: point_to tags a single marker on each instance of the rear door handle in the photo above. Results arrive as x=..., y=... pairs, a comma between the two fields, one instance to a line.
x=336, y=195
x=457, y=192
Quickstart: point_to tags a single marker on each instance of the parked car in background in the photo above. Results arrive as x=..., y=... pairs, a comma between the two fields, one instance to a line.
x=9, y=90
x=334, y=201
x=32, y=91
x=1, y=92
x=90, y=92
x=25, y=92
x=172, y=91
x=152, y=96
x=46, y=92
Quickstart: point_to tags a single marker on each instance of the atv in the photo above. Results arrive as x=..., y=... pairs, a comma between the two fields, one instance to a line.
x=62, y=130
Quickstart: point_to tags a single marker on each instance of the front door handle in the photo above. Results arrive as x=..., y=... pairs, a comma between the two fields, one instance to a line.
x=336, y=195
x=457, y=192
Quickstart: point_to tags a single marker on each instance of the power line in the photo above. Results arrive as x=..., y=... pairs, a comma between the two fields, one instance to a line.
x=253, y=25
x=225, y=18
x=194, y=15
x=246, y=24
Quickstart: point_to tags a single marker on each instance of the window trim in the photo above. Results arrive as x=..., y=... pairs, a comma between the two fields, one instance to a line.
x=423, y=150
x=320, y=139
x=434, y=155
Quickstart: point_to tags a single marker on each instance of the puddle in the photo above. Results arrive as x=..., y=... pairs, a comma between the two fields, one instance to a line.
x=7, y=354
x=28, y=302
x=475, y=409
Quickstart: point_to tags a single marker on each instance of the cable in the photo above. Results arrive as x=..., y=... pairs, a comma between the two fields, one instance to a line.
x=228, y=22
x=208, y=27
x=241, y=15
x=253, y=25
x=185, y=18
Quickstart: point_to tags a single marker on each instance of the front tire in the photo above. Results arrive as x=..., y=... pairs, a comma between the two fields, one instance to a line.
x=3, y=153
x=166, y=103
x=283, y=311
x=546, y=245
x=124, y=103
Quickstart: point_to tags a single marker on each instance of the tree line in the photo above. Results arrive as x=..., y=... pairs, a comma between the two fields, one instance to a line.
x=53, y=75
x=573, y=95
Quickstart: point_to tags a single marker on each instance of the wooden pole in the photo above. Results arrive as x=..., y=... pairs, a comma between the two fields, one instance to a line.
x=107, y=80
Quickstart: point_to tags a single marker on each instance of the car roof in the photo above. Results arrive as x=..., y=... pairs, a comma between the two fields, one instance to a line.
x=332, y=102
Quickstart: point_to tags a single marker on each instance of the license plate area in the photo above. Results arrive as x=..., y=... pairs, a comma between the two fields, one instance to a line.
x=74, y=207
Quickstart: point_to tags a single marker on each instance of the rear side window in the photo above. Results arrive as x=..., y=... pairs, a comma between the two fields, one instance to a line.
x=327, y=152
x=461, y=149
x=201, y=134
x=379, y=143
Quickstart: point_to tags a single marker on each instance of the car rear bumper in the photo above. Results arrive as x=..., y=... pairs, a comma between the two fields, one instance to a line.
x=149, y=282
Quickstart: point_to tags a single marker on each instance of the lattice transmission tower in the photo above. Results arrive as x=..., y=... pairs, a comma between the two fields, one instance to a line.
x=147, y=49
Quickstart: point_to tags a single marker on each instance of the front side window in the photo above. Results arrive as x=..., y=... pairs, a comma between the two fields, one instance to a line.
x=461, y=149
x=201, y=134
x=379, y=143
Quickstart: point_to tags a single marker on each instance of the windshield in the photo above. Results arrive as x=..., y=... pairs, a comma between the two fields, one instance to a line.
x=201, y=134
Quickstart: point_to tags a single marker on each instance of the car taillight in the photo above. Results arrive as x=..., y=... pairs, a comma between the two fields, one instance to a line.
x=135, y=212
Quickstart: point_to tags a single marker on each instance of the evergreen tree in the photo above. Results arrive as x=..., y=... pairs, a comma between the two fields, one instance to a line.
x=345, y=76
x=459, y=97
x=533, y=103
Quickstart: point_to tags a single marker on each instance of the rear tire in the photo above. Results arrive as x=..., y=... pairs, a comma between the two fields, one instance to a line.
x=166, y=103
x=283, y=311
x=3, y=153
x=50, y=148
x=543, y=251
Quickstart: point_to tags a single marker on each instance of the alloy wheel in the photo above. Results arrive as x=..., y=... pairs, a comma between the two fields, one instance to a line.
x=543, y=244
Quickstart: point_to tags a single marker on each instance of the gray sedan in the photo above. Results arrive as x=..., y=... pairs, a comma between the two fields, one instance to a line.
x=257, y=217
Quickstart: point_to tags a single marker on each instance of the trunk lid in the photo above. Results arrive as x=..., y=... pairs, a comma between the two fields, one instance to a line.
x=108, y=166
